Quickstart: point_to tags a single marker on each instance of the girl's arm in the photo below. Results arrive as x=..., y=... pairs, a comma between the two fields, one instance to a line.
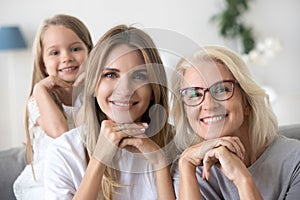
x=51, y=119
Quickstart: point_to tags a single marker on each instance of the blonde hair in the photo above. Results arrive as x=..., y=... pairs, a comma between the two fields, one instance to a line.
x=39, y=72
x=93, y=115
x=262, y=120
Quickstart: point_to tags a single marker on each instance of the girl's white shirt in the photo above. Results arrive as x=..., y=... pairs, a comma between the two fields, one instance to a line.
x=26, y=185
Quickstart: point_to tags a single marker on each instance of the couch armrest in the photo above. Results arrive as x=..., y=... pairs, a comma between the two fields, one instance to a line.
x=12, y=162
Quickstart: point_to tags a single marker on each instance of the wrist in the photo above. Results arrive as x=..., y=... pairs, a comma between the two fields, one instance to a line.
x=185, y=165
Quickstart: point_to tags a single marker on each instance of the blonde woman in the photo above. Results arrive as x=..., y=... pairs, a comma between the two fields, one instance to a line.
x=227, y=132
x=118, y=152
x=61, y=45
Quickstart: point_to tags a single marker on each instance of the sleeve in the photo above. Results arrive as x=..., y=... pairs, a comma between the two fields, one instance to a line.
x=33, y=112
x=64, y=168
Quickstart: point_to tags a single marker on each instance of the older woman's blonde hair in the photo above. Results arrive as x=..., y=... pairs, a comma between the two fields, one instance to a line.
x=39, y=71
x=262, y=121
x=138, y=40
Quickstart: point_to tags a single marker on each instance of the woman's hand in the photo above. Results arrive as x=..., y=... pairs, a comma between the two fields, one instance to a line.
x=195, y=154
x=231, y=166
x=234, y=169
x=110, y=137
x=147, y=147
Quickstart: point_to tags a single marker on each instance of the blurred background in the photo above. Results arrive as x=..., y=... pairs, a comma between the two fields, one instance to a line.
x=273, y=60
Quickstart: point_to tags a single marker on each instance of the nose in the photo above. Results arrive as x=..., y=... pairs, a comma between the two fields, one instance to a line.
x=209, y=103
x=67, y=56
x=124, y=87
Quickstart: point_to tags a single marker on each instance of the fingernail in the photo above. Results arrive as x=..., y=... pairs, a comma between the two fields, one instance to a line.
x=145, y=125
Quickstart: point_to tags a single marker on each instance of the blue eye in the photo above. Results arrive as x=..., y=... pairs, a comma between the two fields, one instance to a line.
x=219, y=89
x=111, y=75
x=76, y=49
x=192, y=93
x=54, y=53
x=140, y=75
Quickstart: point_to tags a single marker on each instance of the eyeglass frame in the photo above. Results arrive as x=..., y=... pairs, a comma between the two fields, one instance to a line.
x=234, y=82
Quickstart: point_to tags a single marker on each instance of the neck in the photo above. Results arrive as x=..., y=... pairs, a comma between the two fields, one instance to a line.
x=244, y=135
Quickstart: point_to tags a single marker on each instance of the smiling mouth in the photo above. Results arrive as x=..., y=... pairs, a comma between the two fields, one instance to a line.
x=123, y=104
x=68, y=69
x=213, y=119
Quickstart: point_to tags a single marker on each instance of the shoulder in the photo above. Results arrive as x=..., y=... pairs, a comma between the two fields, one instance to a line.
x=69, y=146
x=286, y=144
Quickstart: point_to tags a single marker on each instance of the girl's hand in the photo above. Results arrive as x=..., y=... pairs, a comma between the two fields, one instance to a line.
x=51, y=83
x=111, y=134
x=196, y=153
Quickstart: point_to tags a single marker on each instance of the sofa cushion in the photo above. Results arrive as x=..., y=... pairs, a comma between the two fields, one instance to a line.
x=12, y=162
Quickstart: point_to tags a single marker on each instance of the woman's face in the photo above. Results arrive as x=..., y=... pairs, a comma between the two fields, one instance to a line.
x=123, y=92
x=63, y=52
x=213, y=118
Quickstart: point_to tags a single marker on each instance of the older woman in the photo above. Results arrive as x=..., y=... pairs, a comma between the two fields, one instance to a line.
x=228, y=133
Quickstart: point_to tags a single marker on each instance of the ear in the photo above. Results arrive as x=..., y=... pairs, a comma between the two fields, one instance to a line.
x=247, y=108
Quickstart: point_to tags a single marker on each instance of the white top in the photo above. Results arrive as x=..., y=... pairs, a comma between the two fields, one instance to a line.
x=66, y=163
x=25, y=187
x=276, y=174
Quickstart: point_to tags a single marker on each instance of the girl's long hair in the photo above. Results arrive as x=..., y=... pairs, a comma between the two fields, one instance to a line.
x=39, y=72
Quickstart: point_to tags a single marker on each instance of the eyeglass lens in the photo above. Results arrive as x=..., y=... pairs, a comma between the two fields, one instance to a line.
x=220, y=91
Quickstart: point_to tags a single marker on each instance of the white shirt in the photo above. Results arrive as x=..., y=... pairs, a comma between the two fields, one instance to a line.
x=66, y=164
x=26, y=186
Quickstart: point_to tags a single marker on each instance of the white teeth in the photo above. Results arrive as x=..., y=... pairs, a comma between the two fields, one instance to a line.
x=122, y=104
x=213, y=119
x=67, y=69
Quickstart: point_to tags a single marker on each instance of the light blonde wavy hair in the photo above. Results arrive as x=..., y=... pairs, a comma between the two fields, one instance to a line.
x=39, y=72
x=262, y=121
x=93, y=115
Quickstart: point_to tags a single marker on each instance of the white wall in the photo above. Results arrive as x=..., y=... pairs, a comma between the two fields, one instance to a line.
x=269, y=18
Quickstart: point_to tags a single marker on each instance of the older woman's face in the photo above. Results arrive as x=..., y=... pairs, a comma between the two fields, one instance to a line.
x=213, y=118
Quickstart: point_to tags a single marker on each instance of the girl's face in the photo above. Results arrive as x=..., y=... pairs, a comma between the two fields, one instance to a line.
x=213, y=118
x=63, y=52
x=123, y=92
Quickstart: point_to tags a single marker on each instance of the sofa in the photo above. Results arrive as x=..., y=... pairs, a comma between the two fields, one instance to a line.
x=12, y=162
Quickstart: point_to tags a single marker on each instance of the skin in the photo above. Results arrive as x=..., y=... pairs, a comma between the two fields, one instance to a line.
x=123, y=94
x=63, y=53
x=226, y=139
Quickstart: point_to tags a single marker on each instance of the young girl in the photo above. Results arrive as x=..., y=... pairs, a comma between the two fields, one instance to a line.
x=61, y=46
x=119, y=152
x=228, y=133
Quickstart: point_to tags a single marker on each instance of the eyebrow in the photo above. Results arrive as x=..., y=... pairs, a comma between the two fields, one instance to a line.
x=111, y=69
x=55, y=46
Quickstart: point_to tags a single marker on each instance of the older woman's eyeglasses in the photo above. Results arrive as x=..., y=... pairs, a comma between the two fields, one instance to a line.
x=220, y=91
